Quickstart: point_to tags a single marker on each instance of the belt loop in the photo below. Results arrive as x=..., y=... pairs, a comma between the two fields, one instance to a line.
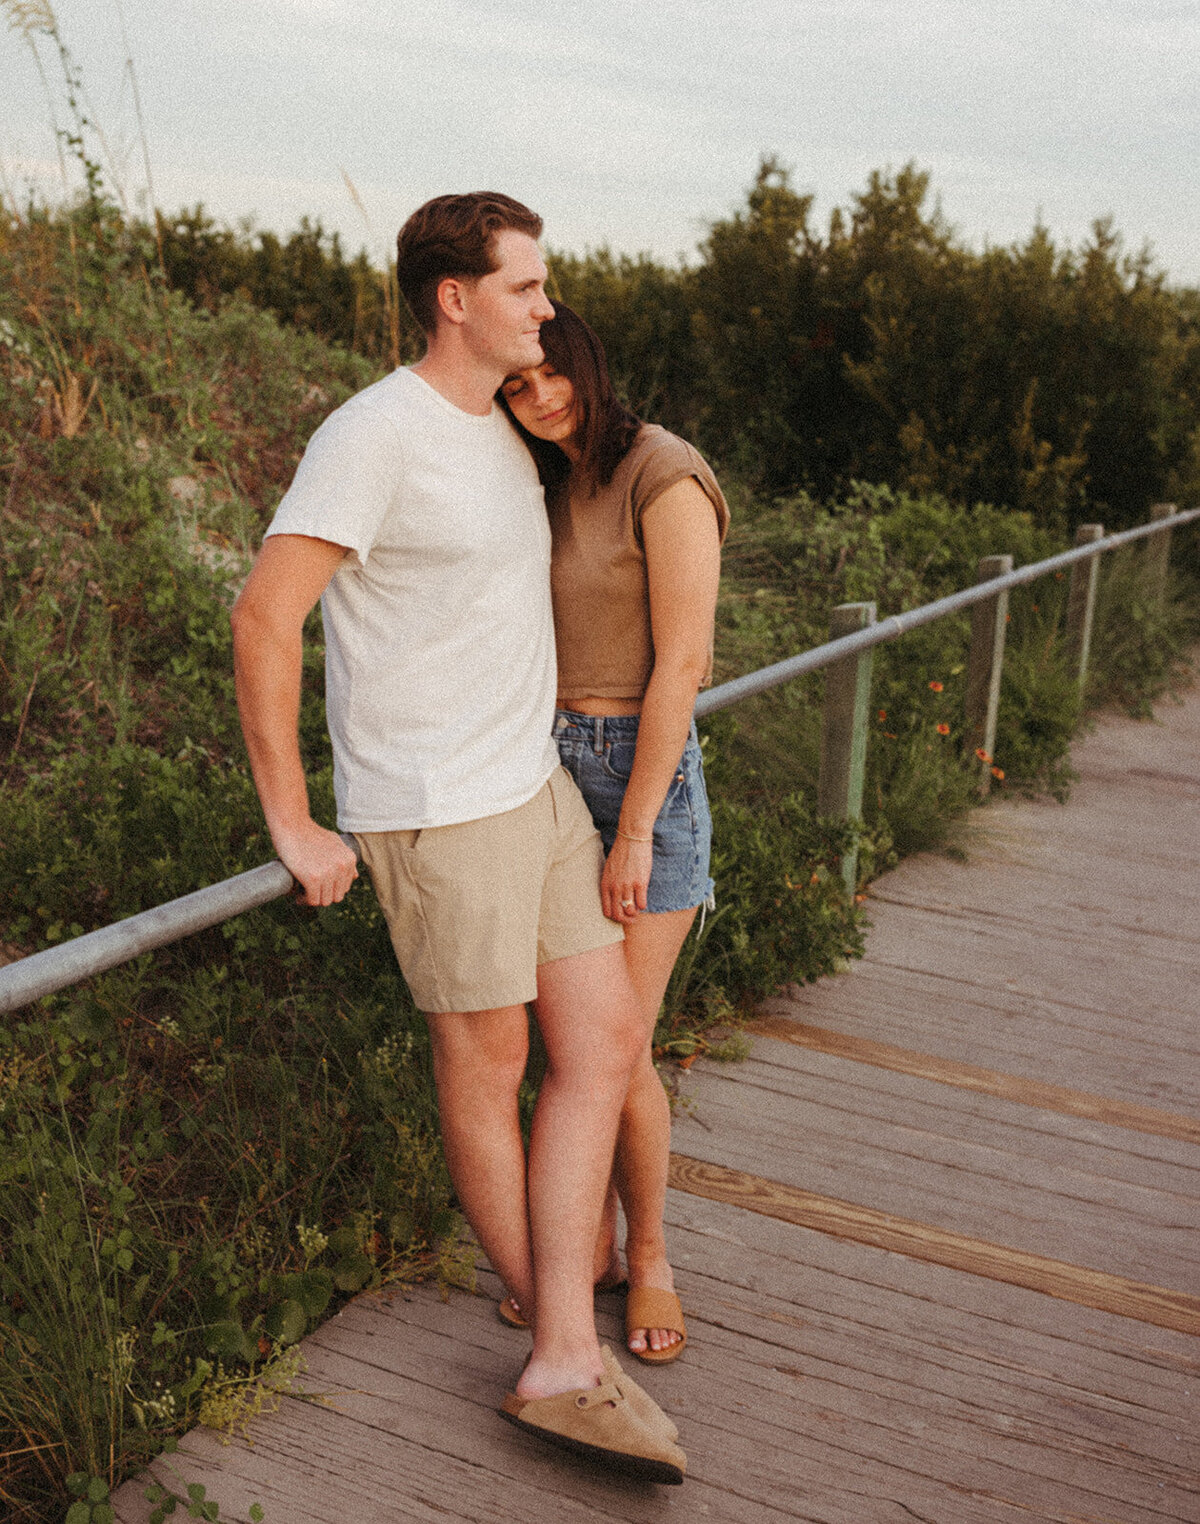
x=598, y=734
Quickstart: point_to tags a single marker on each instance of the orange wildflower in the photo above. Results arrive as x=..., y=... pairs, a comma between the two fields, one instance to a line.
x=943, y=729
x=998, y=772
x=936, y=686
x=882, y=715
x=982, y=755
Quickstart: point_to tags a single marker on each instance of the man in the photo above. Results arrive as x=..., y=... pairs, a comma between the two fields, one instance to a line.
x=417, y=517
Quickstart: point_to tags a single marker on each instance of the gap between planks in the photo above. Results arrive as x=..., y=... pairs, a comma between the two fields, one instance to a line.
x=923, y=1241
x=1009, y=1087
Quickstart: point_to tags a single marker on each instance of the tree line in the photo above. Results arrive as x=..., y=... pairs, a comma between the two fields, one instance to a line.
x=1063, y=382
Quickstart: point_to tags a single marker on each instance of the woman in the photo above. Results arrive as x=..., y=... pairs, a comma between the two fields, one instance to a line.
x=637, y=520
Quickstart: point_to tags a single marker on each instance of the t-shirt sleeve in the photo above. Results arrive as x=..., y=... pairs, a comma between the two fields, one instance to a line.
x=668, y=461
x=344, y=483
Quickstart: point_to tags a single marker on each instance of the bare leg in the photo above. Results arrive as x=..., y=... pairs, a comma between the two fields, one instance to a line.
x=592, y=1029
x=478, y=1064
x=652, y=944
x=606, y=1264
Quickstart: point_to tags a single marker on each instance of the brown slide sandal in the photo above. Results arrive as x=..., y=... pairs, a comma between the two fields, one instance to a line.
x=651, y=1307
x=508, y=1312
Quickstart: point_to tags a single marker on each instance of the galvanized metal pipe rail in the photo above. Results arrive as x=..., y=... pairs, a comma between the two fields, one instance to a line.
x=898, y=624
x=44, y=973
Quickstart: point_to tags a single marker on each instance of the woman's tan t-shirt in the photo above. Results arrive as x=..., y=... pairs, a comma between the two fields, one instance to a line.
x=598, y=568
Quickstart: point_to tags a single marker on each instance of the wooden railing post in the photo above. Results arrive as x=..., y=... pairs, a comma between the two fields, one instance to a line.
x=989, y=622
x=1081, y=601
x=844, y=730
x=1158, y=551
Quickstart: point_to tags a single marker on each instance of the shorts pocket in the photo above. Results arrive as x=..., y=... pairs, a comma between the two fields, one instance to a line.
x=677, y=802
x=618, y=759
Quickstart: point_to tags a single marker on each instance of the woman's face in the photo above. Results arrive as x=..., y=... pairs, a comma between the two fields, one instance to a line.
x=543, y=402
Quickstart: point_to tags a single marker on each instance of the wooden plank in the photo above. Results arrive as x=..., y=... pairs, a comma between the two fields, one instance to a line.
x=1086, y=1144
x=947, y=1374
x=1000, y=1022
x=1096, y=934
x=1065, y=885
x=917, y=1314
x=889, y=1315
x=769, y=1417
x=310, y=1465
x=1064, y=950
x=814, y=1390
x=1138, y=981
x=1123, y=752
x=844, y=1219
x=1017, y=875
x=972, y=1164
x=1004, y=997
x=742, y=1465
x=819, y=1091
x=410, y=1427
x=1010, y=1087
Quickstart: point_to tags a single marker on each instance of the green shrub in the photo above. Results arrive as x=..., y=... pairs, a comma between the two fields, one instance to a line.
x=1139, y=636
x=782, y=913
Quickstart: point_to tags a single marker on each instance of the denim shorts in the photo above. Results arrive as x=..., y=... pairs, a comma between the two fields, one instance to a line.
x=598, y=753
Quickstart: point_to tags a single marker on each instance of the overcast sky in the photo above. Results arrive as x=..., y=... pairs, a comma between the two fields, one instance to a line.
x=637, y=122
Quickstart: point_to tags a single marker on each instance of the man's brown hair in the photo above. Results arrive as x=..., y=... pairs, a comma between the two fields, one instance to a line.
x=454, y=236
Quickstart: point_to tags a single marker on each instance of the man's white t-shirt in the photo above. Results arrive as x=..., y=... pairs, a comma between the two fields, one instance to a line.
x=439, y=633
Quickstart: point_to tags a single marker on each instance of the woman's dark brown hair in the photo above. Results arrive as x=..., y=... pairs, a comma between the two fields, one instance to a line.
x=607, y=428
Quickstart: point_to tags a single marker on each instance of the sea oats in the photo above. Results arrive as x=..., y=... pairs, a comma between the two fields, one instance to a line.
x=29, y=16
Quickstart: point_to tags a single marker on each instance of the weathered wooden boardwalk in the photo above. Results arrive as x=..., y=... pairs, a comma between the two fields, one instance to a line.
x=937, y=1238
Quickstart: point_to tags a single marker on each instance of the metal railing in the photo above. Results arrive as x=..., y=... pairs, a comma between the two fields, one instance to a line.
x=842, y=759
x=894, y=625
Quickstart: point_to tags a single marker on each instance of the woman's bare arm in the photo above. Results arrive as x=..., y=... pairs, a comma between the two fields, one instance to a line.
x=683, y=567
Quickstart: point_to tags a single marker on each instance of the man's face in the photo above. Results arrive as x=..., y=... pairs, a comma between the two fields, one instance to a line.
x=504, y=310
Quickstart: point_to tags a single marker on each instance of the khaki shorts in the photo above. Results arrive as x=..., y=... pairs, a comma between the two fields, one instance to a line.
x=473, y=909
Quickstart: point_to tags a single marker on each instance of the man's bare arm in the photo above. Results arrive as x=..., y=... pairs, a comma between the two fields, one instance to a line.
x=288, y=577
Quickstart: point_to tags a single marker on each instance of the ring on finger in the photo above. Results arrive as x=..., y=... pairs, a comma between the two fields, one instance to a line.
x=628, y=904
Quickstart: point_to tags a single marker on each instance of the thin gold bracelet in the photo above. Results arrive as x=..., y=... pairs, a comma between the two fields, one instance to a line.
x=628, y=837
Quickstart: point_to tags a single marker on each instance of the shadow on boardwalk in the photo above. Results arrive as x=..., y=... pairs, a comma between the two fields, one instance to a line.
x=937, y=1237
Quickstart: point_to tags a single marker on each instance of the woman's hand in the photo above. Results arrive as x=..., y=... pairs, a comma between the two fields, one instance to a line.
x=625, y=879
